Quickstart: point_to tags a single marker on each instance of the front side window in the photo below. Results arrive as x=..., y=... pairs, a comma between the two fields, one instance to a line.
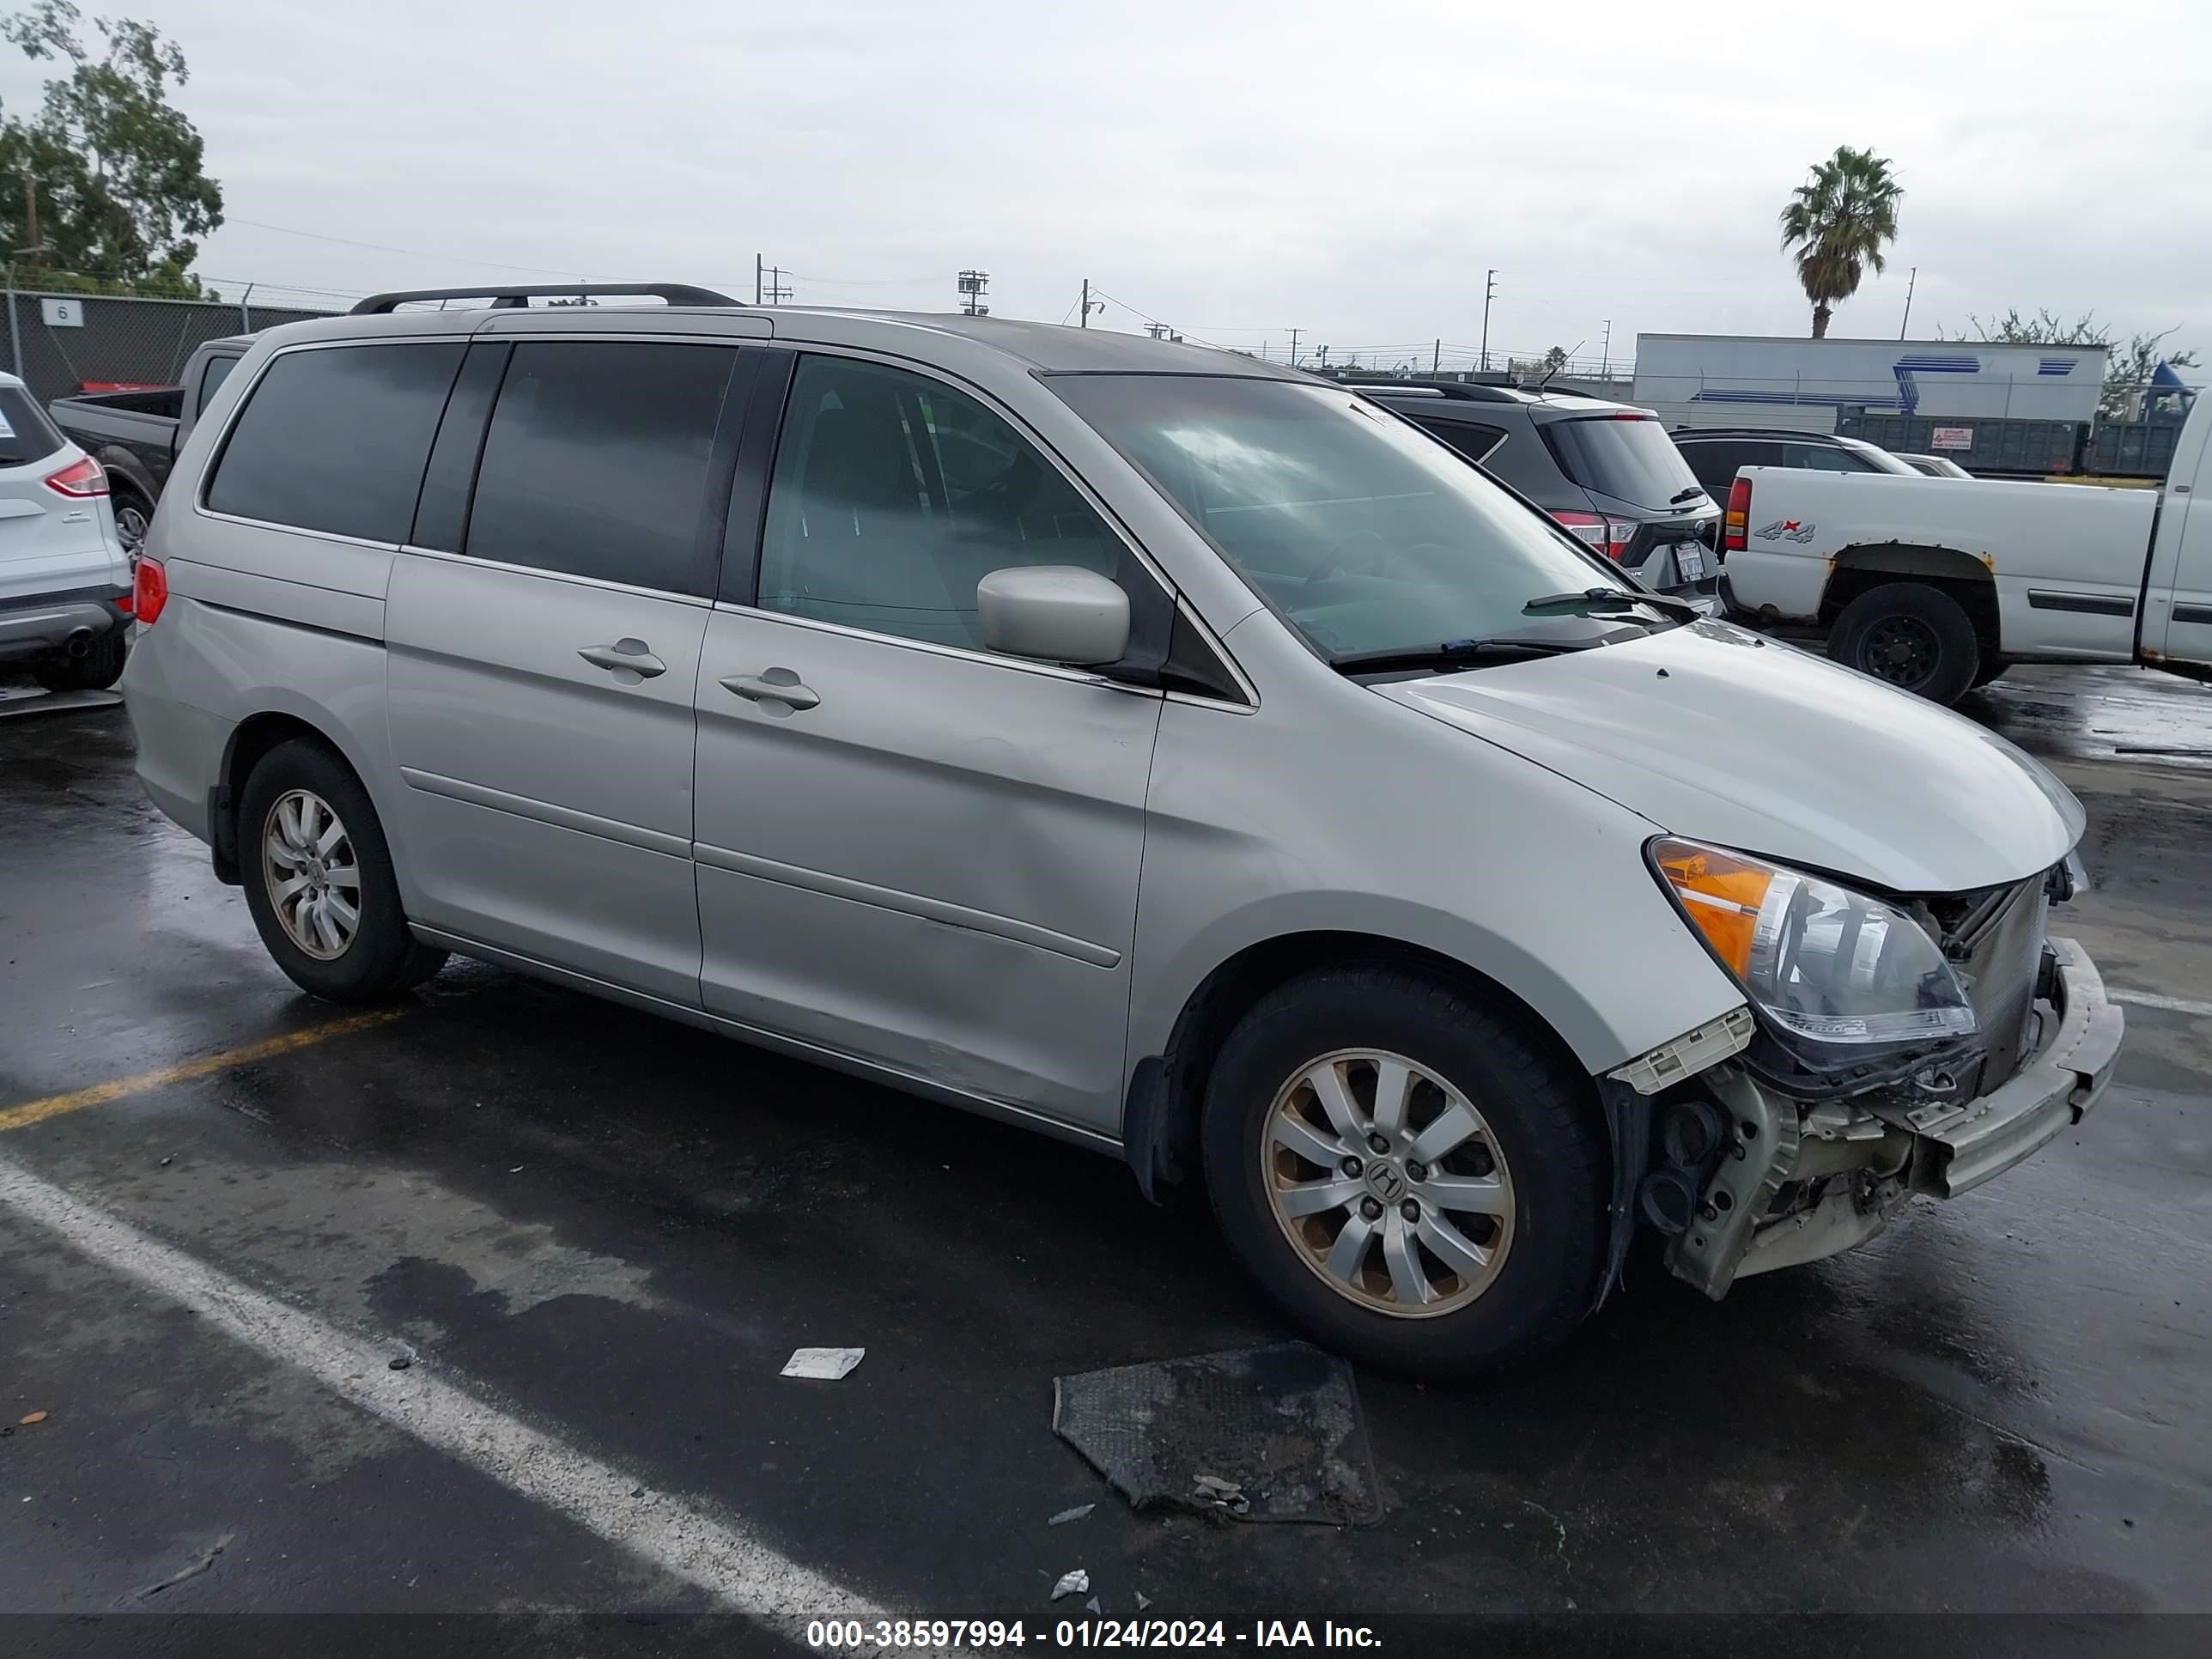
x=1364, y=535
x=335, y=439
x=597, y=460
x=894, y=495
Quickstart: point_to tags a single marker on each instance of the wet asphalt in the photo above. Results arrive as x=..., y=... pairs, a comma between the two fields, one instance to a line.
x=616, y=1229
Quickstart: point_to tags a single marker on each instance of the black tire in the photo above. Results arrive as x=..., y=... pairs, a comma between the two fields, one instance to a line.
x=381, y=958
x=95, y=671
x=1915, y=637
x=1991, y=670
x=1538, y=1114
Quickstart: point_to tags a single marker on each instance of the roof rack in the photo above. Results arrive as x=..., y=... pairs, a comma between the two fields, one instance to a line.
x=509, y=299
x=1464, y=391
x=1796, y=433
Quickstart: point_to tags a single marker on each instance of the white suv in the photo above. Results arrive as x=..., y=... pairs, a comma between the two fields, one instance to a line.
x=1153, y=747
x=64, y=578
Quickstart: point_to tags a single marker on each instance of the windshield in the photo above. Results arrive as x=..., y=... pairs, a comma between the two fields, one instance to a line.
x=1365, y=533
x=1627, y=457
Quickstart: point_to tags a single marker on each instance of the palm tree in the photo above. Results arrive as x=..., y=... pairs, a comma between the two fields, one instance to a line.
x=1838, y=221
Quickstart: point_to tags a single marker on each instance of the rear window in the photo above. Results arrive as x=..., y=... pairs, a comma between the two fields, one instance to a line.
x=25, y=434
x=335, y=439
x=1631, y=460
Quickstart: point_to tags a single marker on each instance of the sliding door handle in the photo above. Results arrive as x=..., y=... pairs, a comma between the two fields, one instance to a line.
x=772, y=685
x=625, y=657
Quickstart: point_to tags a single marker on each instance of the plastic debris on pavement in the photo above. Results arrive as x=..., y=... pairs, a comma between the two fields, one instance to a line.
x=1075, y=1514
x=826, y=1364
x=1269, y=1433
x=1072, y=1584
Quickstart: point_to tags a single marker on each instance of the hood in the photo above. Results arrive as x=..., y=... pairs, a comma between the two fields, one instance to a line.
x=1717, y=734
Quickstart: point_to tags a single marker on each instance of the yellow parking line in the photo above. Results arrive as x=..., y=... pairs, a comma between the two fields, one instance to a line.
x=38, y=1111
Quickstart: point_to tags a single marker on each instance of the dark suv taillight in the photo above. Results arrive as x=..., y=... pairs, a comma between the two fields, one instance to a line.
x=1735, y=523
x=1605, y=533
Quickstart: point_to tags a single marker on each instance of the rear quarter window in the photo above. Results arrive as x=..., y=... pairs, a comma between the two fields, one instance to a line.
x=335, y=439
x=25, y=434
x=1517, y=459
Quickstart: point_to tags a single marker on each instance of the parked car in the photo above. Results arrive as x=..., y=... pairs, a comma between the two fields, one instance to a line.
x=1934, y=467
x=1937, y=585
x=1153, y=747
x=65, y=580
x=135, y=434
x=1717, y=454
x=1605, y=472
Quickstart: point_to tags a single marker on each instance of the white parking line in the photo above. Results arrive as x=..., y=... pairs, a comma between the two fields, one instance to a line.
x=2152, y=1000
x=740, y=1571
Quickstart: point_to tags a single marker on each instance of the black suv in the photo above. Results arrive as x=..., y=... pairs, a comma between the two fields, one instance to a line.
x=1715, y=453
x=1605, y=472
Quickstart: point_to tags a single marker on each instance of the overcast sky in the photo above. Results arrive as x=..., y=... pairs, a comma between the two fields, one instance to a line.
x=1234, y=167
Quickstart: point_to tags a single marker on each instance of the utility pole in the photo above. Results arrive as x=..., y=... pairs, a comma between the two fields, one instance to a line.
x=1910, y=283
x=1324, y=359
x=1489, y=293
x=1436, y=356
x=1085, y=322
x=756, y=279
x=245, y=310
x=1605, y=352
x=1294, y=346
x=973, y=285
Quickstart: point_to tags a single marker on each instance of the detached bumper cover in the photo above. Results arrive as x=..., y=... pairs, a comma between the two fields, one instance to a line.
x=2050, y=1094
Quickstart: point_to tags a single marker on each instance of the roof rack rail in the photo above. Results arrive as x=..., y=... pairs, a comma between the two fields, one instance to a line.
x=1461, y=391
x=509, y=299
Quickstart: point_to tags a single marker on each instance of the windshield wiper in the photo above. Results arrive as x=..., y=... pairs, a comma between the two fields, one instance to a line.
x=1681, y=496
x=1452, y=653
x=1604, y=598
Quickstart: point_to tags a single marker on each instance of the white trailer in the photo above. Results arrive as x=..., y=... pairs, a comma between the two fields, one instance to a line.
x=1734, y=379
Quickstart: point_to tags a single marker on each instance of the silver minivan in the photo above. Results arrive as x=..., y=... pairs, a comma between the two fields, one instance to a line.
x=1158, y=748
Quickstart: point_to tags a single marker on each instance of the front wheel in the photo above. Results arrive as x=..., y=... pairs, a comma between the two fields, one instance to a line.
x=319, y=879
x=1413, y=1179
x=1915, y=636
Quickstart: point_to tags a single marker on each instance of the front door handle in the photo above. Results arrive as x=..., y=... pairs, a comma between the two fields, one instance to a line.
x=628, y=661
x=771, y=685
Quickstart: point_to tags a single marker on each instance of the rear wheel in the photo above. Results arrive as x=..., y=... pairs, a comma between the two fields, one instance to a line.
x=98, y=668
x=319, y=879
x=133, y=516
x=1417, y=1183
x=1916, y=637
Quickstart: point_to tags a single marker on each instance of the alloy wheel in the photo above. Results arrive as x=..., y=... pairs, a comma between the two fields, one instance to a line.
x=1387, y=1182
x=313, y=877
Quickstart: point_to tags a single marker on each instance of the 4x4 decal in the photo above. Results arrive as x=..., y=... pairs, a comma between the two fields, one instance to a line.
x=1791, y=528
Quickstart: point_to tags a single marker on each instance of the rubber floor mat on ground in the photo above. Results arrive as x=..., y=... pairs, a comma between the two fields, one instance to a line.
x=1271, y=1433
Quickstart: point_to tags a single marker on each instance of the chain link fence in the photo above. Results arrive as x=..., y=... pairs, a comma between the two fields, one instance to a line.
x=65, y=343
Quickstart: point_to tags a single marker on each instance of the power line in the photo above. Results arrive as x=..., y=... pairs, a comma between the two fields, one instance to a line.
x=412, y=253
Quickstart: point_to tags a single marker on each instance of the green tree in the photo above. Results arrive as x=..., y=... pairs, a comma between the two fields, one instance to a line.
x=122, y=194
x=2127, y=371
x=1838, y=223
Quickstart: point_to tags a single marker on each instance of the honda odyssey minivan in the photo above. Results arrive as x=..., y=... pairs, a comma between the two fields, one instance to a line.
x=1152, y=746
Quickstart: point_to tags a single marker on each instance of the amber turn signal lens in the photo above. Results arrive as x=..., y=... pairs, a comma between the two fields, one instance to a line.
x=1720, y=895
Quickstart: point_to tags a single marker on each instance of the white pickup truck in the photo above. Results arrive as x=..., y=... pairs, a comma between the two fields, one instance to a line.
x=1938, y=585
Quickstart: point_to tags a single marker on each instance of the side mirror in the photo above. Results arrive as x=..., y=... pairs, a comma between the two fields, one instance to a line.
x=1055, y=613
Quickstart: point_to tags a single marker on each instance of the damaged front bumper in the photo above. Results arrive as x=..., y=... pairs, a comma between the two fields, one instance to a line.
x=1803, y=1180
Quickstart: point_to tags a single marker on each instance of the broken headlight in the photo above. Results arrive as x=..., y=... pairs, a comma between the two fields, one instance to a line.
x=1838, y=975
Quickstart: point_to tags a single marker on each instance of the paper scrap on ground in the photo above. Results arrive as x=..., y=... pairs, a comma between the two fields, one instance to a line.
x=827, y=1364
x=1075, y=1514
x=1072, y=1584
